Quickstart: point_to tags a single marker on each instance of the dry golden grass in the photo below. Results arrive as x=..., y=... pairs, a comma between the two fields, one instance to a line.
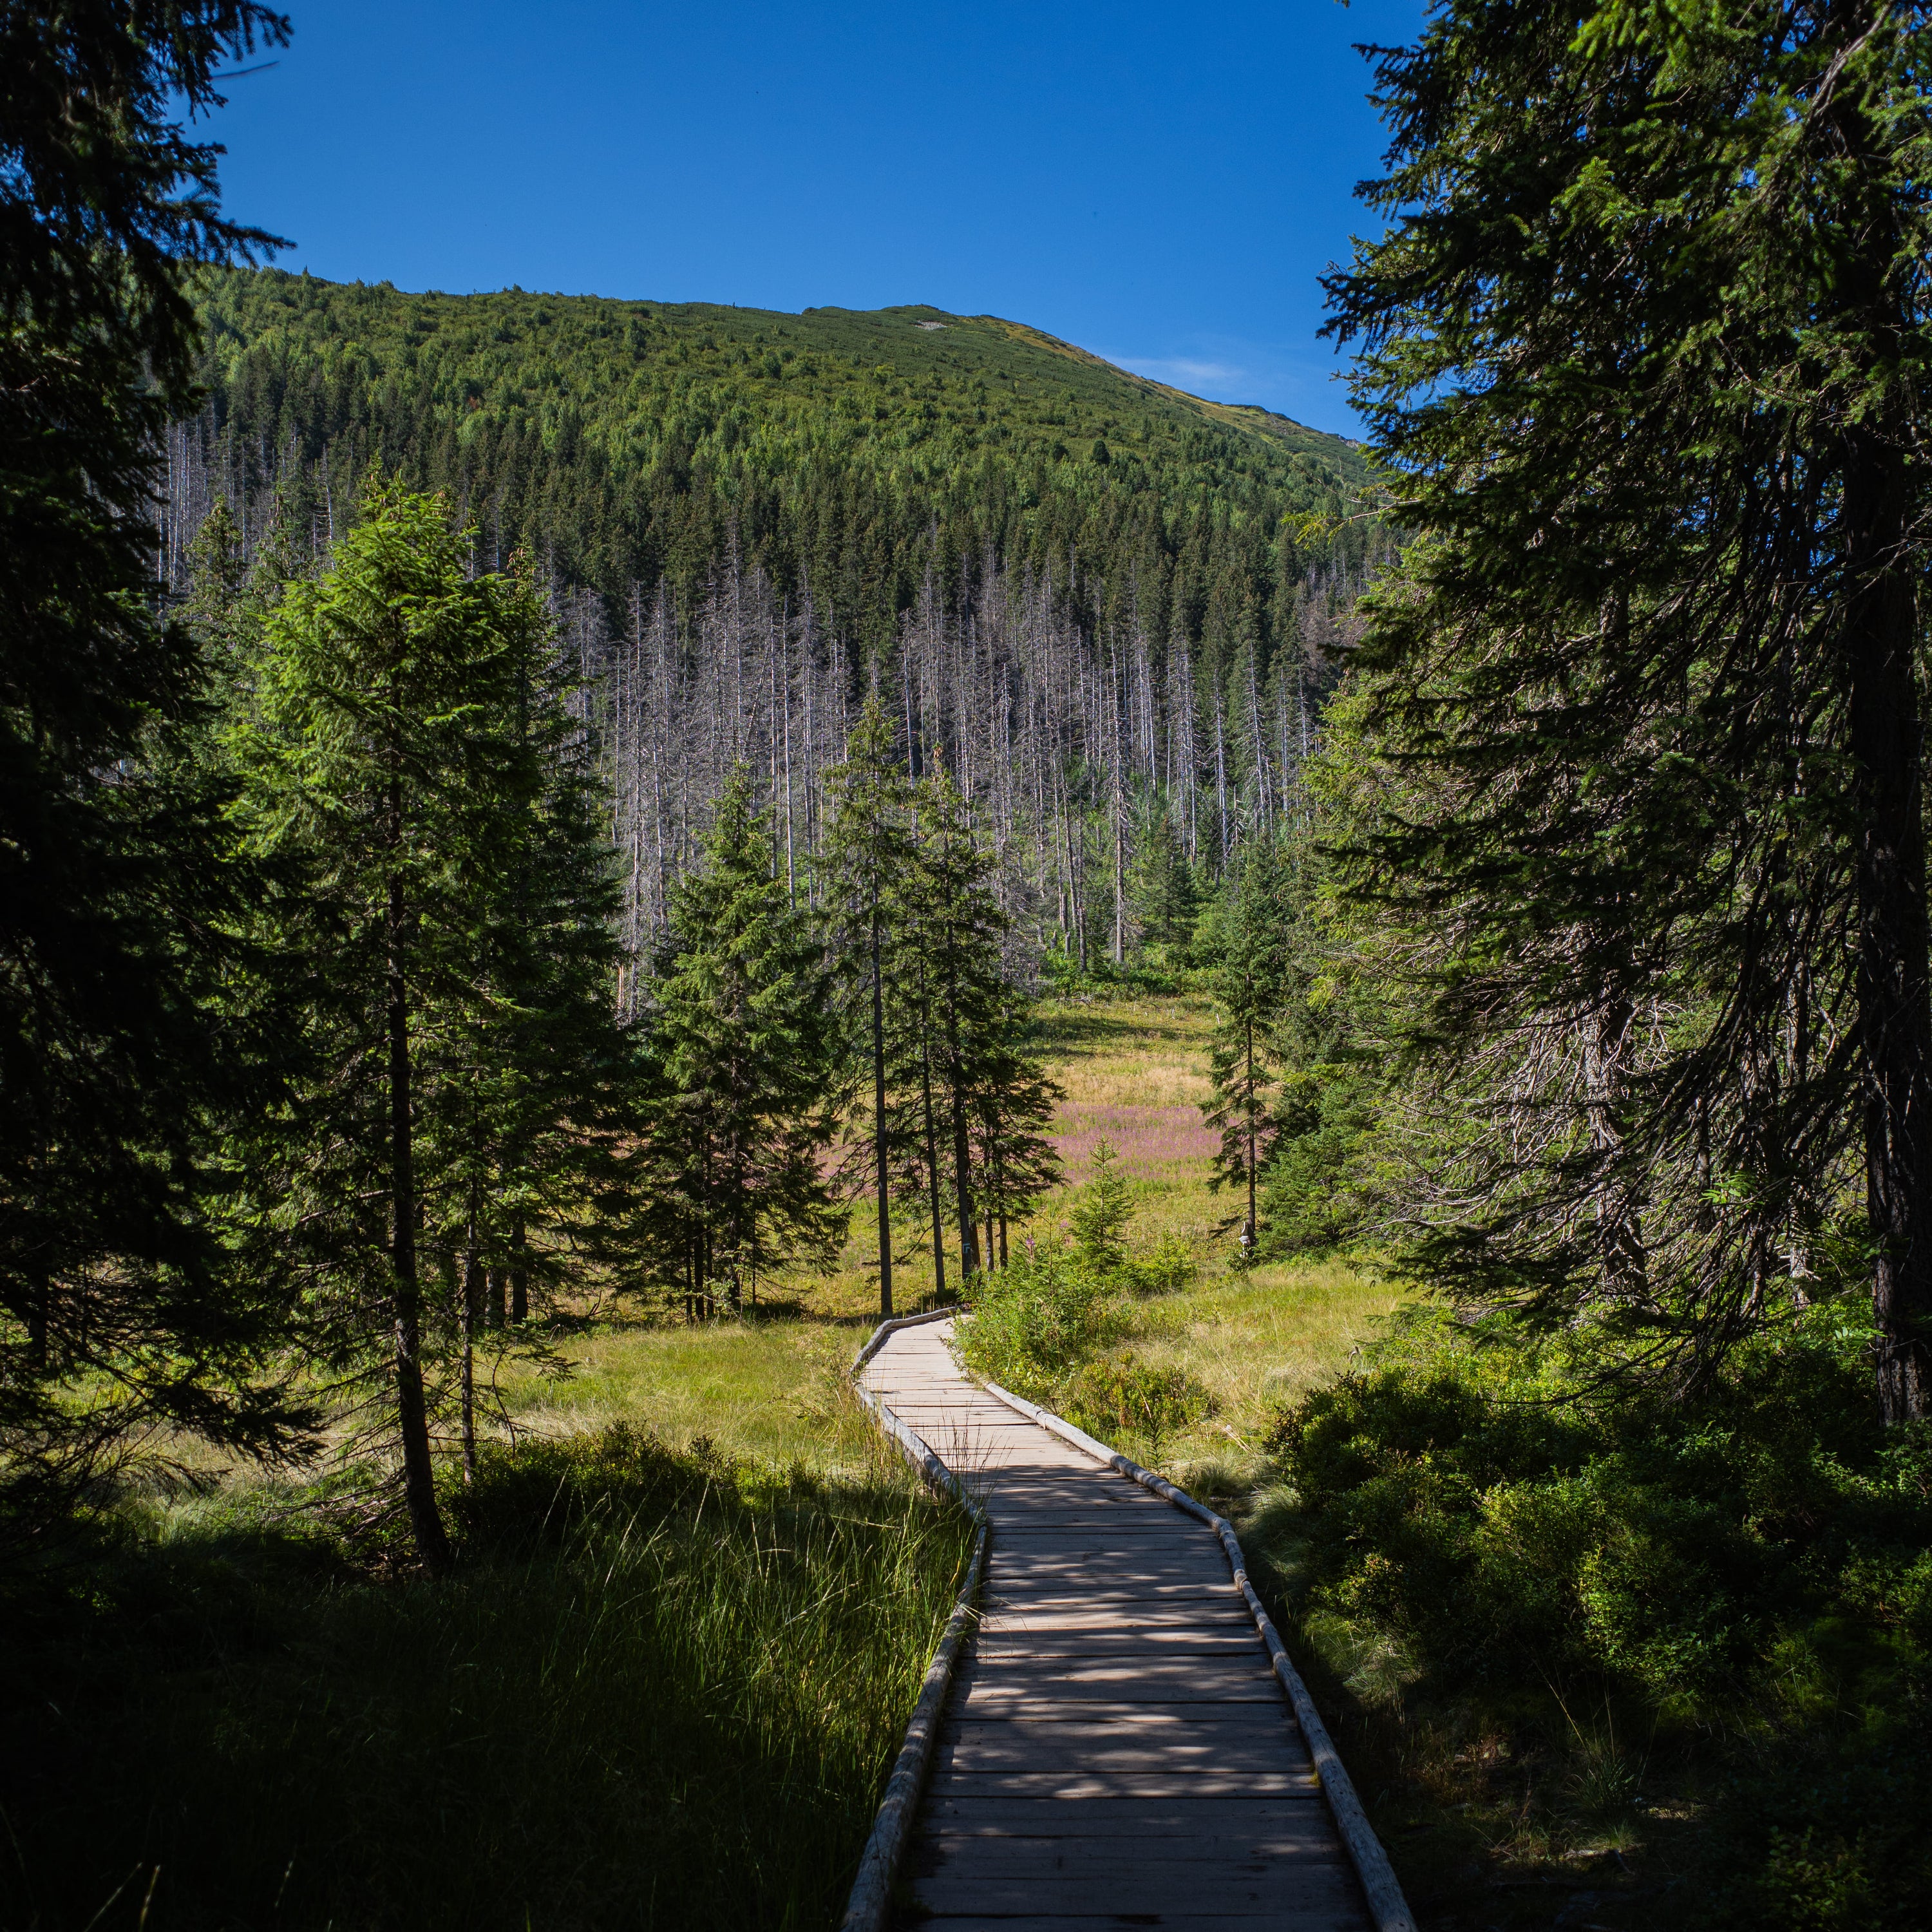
x=1257, y=1341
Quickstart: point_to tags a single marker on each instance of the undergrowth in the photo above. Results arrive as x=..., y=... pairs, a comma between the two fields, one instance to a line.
x=661, y=1689
x=1048, y=1327
x=1663, y=1654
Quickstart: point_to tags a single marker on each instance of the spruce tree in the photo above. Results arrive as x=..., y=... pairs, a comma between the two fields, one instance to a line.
x=866, y=867
x=529, y=1104
x=132, y=1029
x=382, y=753
x=1164, y=890
x=1014, y=1101
x=1101, y=1215
x=956, y=928
x=1250, y=983
x=1644, y=345
x=744, y=1048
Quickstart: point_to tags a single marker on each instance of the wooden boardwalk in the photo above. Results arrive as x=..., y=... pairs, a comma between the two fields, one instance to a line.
x=1116, y=1750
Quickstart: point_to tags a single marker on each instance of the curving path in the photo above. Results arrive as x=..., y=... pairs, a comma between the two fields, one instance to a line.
x=1116, y=1750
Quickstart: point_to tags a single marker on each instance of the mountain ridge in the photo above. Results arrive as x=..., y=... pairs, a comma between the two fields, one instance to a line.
x=858, y=451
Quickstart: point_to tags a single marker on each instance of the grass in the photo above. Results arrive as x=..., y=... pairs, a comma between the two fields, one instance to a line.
x=1134, y=1072
x=771, y=1389
x=661, y=1689
x=768, y=1385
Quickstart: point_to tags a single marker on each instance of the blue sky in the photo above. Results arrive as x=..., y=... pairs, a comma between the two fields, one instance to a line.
x=1161, y=184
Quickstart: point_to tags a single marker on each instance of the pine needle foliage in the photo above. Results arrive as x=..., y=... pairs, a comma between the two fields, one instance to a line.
x=863, y=871
x=452, y=921
x=133, y=1030
x=1252, y=940
x=1640, y=777
x=633, y=442
x=744, y=1049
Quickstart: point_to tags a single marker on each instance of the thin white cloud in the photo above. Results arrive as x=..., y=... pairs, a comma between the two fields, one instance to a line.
x=1178, y=370
x=1270, y=375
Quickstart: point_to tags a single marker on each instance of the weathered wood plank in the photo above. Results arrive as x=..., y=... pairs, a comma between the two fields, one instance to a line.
x=1282, y=1892
x=1148, y=1716
x=1191, y=1818
x=999, y=1644
x=1247, y=1761
x=1316, y=1920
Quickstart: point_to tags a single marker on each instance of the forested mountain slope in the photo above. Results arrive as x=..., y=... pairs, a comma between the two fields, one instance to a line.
x=624, y=440
x=1106, y=607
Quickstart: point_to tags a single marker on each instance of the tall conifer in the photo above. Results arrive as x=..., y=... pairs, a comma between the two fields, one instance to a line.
x=981, y=1103
x=1250, y=984
x=743, y=1041
x=383, y=753
x=866, y=867
x=1646, y=343
x=130, y=1031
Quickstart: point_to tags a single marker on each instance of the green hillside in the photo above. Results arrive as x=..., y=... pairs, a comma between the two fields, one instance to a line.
x=628, y=439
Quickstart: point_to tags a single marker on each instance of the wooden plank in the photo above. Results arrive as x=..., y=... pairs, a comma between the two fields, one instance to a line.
x=987, y=1856
x=1024, y=1619
x=1017, y=1689
x=1234, y=1818
x=1145, y=1715
x=1083, y=1781
x=1094, y=1664
x=1214, y=1751
x=1316, y=1920
x=1248, y=1729
x=997, y=1644
x=1273, y=1893
x=1067, y=1567
x=1018, y=1852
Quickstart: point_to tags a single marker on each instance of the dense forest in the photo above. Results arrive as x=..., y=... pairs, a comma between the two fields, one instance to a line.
x=853, y=454
x=1109, y=609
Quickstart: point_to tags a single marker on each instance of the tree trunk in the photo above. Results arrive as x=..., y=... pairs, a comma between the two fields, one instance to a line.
x=969, y=1238
x=932, y=1176
x=1250, y=1245
x=879, y=1127
x=412, y=1411
x=472, y=1302
x=40, y=1310
x=520, y=1274
x=1894, y=1020
x=1619, y=1207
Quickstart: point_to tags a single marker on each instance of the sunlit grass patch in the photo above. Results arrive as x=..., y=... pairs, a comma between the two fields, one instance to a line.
x=770, y=1389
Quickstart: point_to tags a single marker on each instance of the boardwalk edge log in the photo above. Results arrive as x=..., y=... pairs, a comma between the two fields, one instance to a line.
x=869, y=1907
x=1387, y=1905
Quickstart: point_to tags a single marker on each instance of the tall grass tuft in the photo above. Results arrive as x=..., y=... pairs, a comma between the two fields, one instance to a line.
x=661, y=1689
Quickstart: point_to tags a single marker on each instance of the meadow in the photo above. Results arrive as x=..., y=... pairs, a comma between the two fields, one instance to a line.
x=769, y=1384
x=694, y=1597
x=661, y=1688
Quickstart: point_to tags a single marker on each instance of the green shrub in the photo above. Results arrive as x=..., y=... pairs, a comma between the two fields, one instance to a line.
x=1120, y=1397
x=1032, y=1322
x=1166, y=1268
x=1037, y=1324
x=1474, y=1498
x=1478, y=1531
x=1100, y=1216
